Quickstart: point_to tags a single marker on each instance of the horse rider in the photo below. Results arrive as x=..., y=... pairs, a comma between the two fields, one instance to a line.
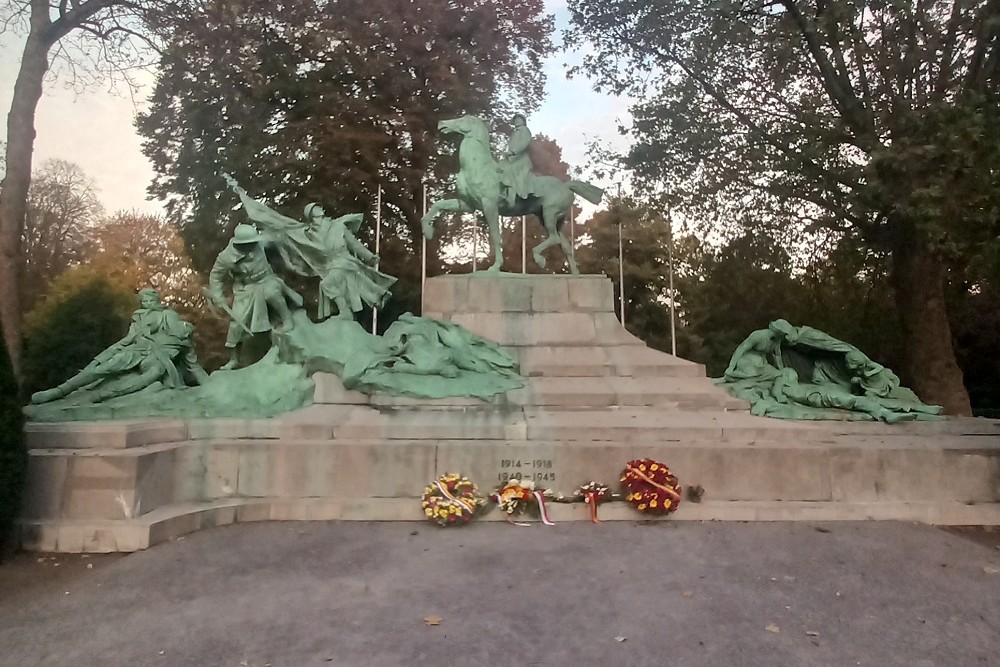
x=516, y=167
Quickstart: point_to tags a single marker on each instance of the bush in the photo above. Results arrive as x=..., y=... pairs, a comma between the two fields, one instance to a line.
x=82, y=314
x=13, y=452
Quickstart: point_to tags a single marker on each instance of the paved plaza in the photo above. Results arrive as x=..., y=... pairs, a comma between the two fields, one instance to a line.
x=298, y=594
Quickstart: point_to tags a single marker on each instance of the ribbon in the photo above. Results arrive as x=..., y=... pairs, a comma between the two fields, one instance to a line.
x=466, y=505
x=541, y=509
x=670, y=492
x=592, y=503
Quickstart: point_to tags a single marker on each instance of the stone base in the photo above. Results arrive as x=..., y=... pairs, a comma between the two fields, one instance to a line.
x=128, y=535
x=595, y=398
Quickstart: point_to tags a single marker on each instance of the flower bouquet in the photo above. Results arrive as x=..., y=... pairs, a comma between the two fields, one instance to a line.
x=451, y=499
x=593, y=493
x=518, y=497
x=652, y=488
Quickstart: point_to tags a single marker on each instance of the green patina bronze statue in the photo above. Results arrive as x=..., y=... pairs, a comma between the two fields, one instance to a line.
x=156, y=352
x=516, y=167
x=257, y=291
x=802, y=373
x=326, y=248
x=509, y=188
x=417, y=357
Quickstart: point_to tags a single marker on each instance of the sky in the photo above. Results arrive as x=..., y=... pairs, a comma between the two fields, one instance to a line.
x=94, y=128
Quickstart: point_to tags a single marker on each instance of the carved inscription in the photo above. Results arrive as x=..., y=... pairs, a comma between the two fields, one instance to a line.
x=536, y=470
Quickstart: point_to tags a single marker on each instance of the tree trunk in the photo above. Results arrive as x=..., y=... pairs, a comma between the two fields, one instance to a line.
x=919, y=280
x=14, y=192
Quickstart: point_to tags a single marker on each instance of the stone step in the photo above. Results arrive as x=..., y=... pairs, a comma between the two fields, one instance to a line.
x=601, y=361
x=665, y=393
x=172, y=522
x=576, y=329
x=523, y=423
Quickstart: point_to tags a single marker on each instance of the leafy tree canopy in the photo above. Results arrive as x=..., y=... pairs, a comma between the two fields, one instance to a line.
x=321, y=101
x=879, y=119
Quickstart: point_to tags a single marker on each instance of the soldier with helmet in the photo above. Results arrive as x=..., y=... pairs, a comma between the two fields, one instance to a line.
x=258, y=293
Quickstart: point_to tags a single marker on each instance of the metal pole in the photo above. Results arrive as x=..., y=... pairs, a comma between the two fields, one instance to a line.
x=673, y=296
x=524, y=245
x=621, y=273
x=423, y=259
x=475, y=242
x=378, y=233
x=572, y=232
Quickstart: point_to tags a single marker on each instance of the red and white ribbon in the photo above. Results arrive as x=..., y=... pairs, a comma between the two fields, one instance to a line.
x=542, y=511
x=466, y=505
x=592, y=502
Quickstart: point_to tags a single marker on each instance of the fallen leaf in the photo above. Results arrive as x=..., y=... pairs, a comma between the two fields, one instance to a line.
x=990, y=570
x=620, y=639
x=433, y=620
x=771, y=627
x=687, y=594
x=812, y=633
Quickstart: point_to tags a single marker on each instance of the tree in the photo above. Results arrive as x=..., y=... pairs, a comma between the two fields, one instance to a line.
x=82, y=299
x=62, y=208
x=13, y=450
x=108, y=33
x=140, y=250
x=645, y=239
x=308, y=101
x=875, y=119
x=136, y=250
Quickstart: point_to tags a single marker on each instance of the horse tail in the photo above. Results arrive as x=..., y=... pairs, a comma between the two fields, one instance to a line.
x=591, y=193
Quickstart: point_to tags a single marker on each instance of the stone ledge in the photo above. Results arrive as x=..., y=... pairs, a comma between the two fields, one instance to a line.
x=170, y=523
x=103, y=435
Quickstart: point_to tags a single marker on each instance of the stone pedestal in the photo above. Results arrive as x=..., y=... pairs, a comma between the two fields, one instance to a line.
x=595, y=397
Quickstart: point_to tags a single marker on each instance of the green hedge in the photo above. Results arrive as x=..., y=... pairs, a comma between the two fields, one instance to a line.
x=13, y=452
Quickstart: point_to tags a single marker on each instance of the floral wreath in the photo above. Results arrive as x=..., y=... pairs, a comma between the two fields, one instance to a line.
x=451, y=499
x=518, y=497
x=652, y=487
x=593, y=493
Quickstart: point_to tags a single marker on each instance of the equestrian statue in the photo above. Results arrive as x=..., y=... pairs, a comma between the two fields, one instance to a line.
x=508, y=188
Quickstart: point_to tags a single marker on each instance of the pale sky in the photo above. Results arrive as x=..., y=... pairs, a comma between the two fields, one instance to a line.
x=94, y=129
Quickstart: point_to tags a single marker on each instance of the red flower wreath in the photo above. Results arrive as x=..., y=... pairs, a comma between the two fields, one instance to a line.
x=651, y=486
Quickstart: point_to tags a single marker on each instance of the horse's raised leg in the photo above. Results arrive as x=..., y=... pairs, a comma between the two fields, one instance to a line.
x=549, y=222
x=441, y=206
x=492, y=215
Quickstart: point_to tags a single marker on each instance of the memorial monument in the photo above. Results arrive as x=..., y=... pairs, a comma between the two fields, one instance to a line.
x=502, y=377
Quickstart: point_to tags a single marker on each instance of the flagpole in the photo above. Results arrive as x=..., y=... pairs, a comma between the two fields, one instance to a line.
x=378, y=233
x=673, y=296
x=475, y=243
x=572, y=232
x=423, y=259
x=524, y=246
x=621, y=273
